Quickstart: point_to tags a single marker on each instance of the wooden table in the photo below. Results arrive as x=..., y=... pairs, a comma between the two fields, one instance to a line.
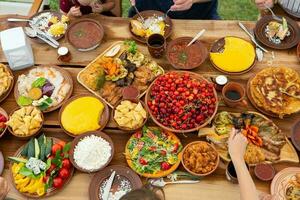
x=212, y=187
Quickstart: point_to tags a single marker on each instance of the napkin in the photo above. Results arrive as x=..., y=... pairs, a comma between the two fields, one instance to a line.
x=16, y=48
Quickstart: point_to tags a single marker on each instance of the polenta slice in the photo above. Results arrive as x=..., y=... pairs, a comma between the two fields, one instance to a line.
x=238, y=55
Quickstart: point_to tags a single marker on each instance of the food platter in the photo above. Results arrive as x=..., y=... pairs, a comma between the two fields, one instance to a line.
x=288, y=42
x=85, y=34
x=61, y=79
x=80, y=138
x=211, y=105
x=43, y=19
x=160, y=141
x=17, y=122
x=276, y=146
x=122, y=173
x=219, y=45
x=103, y=120
x=151, y=13
x=145, y=70
x=282, y=181
x=182, y=57
x=11, y=80
x=50, y=191
x=286, y=81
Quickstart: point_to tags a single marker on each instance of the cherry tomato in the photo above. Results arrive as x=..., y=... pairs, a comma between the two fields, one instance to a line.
x=55, y=148
x=2, y=118
x=165, y=166
x=66, y=163
x=138, y=134
x=63, y=173
x=45, y=179
x=163, y=152
x=152, y=148
x=176, y=145
x=51, y=168
x=57, y=182
x=62, y=143
x=143, y=161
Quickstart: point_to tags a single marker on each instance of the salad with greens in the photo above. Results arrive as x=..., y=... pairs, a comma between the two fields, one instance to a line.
x=152, y=152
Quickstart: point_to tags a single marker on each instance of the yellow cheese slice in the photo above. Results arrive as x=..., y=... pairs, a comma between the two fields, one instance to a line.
x=82, y=115
x=238, y=55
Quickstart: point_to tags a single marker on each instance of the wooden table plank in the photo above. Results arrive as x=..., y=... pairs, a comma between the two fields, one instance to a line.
x=211, y=187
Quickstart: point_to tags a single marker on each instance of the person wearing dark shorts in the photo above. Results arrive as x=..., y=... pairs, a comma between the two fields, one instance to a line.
x=180, y=9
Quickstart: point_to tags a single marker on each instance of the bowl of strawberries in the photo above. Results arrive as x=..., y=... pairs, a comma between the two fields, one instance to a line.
x=181, y=101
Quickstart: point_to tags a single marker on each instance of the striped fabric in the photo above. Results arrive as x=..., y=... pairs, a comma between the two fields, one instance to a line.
x=292, y=5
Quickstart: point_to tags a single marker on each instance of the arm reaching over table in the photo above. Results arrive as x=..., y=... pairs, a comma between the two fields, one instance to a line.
x=181, y=5
x=4, y=189
x=237, y=146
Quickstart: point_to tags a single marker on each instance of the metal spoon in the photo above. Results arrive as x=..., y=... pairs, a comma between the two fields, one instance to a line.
x=161, y=183
x=18, y=20
x=138, y=12
x=32, y=33
x=166, y=14
x=273, y=14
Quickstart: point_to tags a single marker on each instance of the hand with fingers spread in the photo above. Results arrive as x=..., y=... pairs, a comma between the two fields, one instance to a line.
x=4, y=189
x=237, y=144
x=181, y=5
x=261, y=4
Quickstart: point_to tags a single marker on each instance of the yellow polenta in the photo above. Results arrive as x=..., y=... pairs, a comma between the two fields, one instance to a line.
x=82, y=115
x=238, y=55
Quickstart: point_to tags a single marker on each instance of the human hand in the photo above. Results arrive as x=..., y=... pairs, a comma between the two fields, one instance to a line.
x=261, y=4
x=181, y=5
x=237, y=144
x=75, y=11
x=4, y=189
x=132, y=2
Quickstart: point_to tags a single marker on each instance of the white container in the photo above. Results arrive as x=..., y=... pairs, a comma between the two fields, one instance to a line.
x=16, y=48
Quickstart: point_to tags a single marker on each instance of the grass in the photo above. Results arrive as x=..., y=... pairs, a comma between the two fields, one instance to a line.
x=228, y=9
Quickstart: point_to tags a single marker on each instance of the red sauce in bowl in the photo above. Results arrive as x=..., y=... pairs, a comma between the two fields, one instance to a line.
x=85, y=34
x=264, y=171
x=183, y=57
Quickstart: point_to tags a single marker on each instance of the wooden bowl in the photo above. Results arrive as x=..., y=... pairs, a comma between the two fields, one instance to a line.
x=298, y=51
x=79, y=138
x=193, y=75
x=200, y=48
x=52, y=191
x=93, y=43
x=29, y=136
x=126, y=128
x=287, y=43
x=5, y=95
x=3, y=112
x=218, y=46
x=122, y=172
x=64, y=73
x=103, y=119
x=193, y=173
x=295, y=136
x=54, y=13
x=149, y=13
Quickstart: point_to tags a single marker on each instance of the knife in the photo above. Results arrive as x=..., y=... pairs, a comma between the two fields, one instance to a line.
x=252, y=37
x=44, y=34
x=108, y=186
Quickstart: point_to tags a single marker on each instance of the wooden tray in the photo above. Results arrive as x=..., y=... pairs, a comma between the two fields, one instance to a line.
x=79, y=138
x=218, y=45
x=3, y=112
x=287, y=153
x=281, y=181
x=122, y=171
x=64, y=73
x=3, y=97
x=193, y=75
x=98, y=41
x=287, y=43
x=50, y=191
x=98, y=57
x=102, y=121
x=149, y=13
x=54, y=13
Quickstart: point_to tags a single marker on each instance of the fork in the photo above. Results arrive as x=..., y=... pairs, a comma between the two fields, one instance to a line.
x=273, y=14
x=166, y=14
